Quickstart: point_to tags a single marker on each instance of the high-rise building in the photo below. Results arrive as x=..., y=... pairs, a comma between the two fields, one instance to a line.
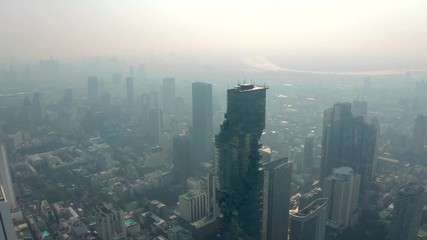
x=109, y=222
x=39, y=108
x=201, y=131
x=309, y=152
x=28, y=113
x=310, y=222
x=407, y=212
x=169, y=95
x=342, y=189
x=129, y=93
x=376, y=123
x=155, y=124
x=276, y=199
x=6, y=178
x=360, y=108
x=419, y=134
x=7, y=230
x=181, y=156
x=193, y=206
x=347, y=141
x=238, y=162
x=92, y=89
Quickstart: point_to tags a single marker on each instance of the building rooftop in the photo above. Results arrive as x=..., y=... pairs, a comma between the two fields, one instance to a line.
x=129, y=222
x=411, y=189
x=314, y=206
x=245, y=87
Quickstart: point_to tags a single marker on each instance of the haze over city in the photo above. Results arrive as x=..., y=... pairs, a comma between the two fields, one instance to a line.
x=213, y=120
x=304, y=35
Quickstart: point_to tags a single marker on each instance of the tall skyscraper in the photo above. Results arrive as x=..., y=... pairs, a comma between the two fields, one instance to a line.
x=7, y=230
x=201, y=131
x=39, y=108
x=347, y=141
x=92, y=89
x=342, y=189
x=181, y=156
x=240, y=180
x=408, y=209
x=376, y=123
x=169, y=95
x=109, y=222
x=155, y=123
x=276, y=198
x=28, y=114
x=309, y=152
x=129, y=94
x=360, y=108
x=310, y=222
x=6, y=178
x=419, y=134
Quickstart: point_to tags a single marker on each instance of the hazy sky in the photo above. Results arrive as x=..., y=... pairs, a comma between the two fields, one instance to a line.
x=381, y=29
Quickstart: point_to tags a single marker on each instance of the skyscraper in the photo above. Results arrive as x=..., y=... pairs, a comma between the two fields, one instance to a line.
x=129, y=94
x=92, y=89
x=419, y=134
x=181, y=156
x=109, y=222
x=169, y=95
x=6, y=178
x=308, y=152
x=155, y=124
x=342, y=189
x=408, y=209
x=360, y=108
x=201, y=131
x=7, y=231
x=276, y=198
x=310, y=222
x=39, y=108
x=238, y=162
x=347, y=141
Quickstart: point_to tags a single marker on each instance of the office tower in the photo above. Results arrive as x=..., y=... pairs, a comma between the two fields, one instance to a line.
x=238, y=163
x=181, y=156
x=310, y=222
x=360, y=108
x=276, y=198
x=67, y=100
x=408, y=209
x=28, y=113
x=116, y=85
x=129, y=93
x=155, y=125
x=419, y=135
x=6, y=178
x=309, y=152
x=169, y=95
x=92, y=89
x=105, y=101
x=39, y=108
x=347, y=141
x=342, y=189
x=109, y=222
x=211, y=193
x=376, y=123
x=193, y=206
x=7, y=230
x=201, y=131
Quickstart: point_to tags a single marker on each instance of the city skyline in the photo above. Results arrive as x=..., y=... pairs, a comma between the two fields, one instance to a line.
x=388, y=34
